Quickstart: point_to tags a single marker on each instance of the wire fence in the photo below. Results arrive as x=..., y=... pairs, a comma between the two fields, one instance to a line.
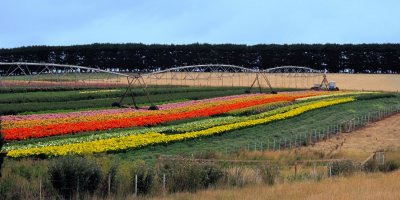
x=305, y=138
x=239, y=173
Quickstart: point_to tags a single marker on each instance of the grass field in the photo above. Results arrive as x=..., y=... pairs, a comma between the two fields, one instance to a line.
x=361, y=186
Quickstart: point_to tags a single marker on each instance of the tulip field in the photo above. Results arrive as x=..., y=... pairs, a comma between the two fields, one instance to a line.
x=220, y=119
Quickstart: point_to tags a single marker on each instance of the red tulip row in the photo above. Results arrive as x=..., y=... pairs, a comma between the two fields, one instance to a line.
x=71, y=128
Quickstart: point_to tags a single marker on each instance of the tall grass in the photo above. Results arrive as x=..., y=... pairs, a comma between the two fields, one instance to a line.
x=357, y=187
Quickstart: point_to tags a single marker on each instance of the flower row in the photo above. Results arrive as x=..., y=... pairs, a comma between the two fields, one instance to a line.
x=151, y=138
x=132, y=113
x=335, y=94
x=70, y=128
x=180, y=128
x=12, y=119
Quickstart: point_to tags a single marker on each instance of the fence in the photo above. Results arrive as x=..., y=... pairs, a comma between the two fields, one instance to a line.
x=310, y=137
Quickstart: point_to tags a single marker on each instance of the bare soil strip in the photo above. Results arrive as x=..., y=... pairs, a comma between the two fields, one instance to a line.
x=381, y=135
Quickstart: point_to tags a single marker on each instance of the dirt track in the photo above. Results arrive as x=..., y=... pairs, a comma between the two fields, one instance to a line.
x=381, y=135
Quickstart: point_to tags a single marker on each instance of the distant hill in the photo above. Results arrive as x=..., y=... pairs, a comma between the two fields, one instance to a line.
x=362, y=58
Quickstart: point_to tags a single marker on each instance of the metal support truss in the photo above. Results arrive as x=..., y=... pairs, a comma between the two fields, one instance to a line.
x=34, y=73
x=142, y=84
x=43, y=72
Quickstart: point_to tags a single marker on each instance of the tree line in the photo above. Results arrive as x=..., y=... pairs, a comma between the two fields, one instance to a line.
x=359, y=58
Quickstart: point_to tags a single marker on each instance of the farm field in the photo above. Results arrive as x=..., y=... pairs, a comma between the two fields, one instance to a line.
x=187, y=126
x=199, y=122
x=69, y=125
x=367, y=82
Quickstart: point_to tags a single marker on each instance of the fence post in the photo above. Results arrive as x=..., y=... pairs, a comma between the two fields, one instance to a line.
x=285, y=142
x=77, y=189
x=109, y=185
x=327, y=132
x=314, y=171
x=164, y=188
x=40, y=188
x=316, y=138
x=257, y=175
x=337, y=128
x=279, y=145
x=274, y=145
x=136, y=185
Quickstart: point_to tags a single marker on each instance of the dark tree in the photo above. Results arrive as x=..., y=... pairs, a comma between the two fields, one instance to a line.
x=360, y=58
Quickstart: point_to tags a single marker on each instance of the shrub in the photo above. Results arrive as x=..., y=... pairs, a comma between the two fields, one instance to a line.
x=389, y=166
x=109, y=178
x=71, y=175
x=116, y=104
x=153, y=107
x=268, y=173
x=345, y=167
x=211, y=175
x=191, y=176
x=371, y=166
x=9, y=189
x=145, y=176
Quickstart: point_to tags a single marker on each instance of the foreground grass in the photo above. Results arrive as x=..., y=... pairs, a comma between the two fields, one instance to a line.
x=360, y=186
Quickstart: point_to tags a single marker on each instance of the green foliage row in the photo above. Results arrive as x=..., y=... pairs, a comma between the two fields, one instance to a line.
x=10, y=109
x=59, y=96
x=376, y=96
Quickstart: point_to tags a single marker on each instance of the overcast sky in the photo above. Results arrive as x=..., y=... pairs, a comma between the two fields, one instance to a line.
x=68, y=22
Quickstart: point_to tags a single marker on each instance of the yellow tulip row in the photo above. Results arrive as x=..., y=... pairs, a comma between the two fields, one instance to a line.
x=151, y=138
x=334, y=94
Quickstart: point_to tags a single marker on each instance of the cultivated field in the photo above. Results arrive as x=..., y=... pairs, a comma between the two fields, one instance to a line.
x=115, y=130
x=50, y=128
x=367, y=82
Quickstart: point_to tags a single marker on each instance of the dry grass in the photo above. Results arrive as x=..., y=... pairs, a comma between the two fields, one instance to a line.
x=381, y=135
x=357, y=145
x=361, y=186
x=374, y=82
